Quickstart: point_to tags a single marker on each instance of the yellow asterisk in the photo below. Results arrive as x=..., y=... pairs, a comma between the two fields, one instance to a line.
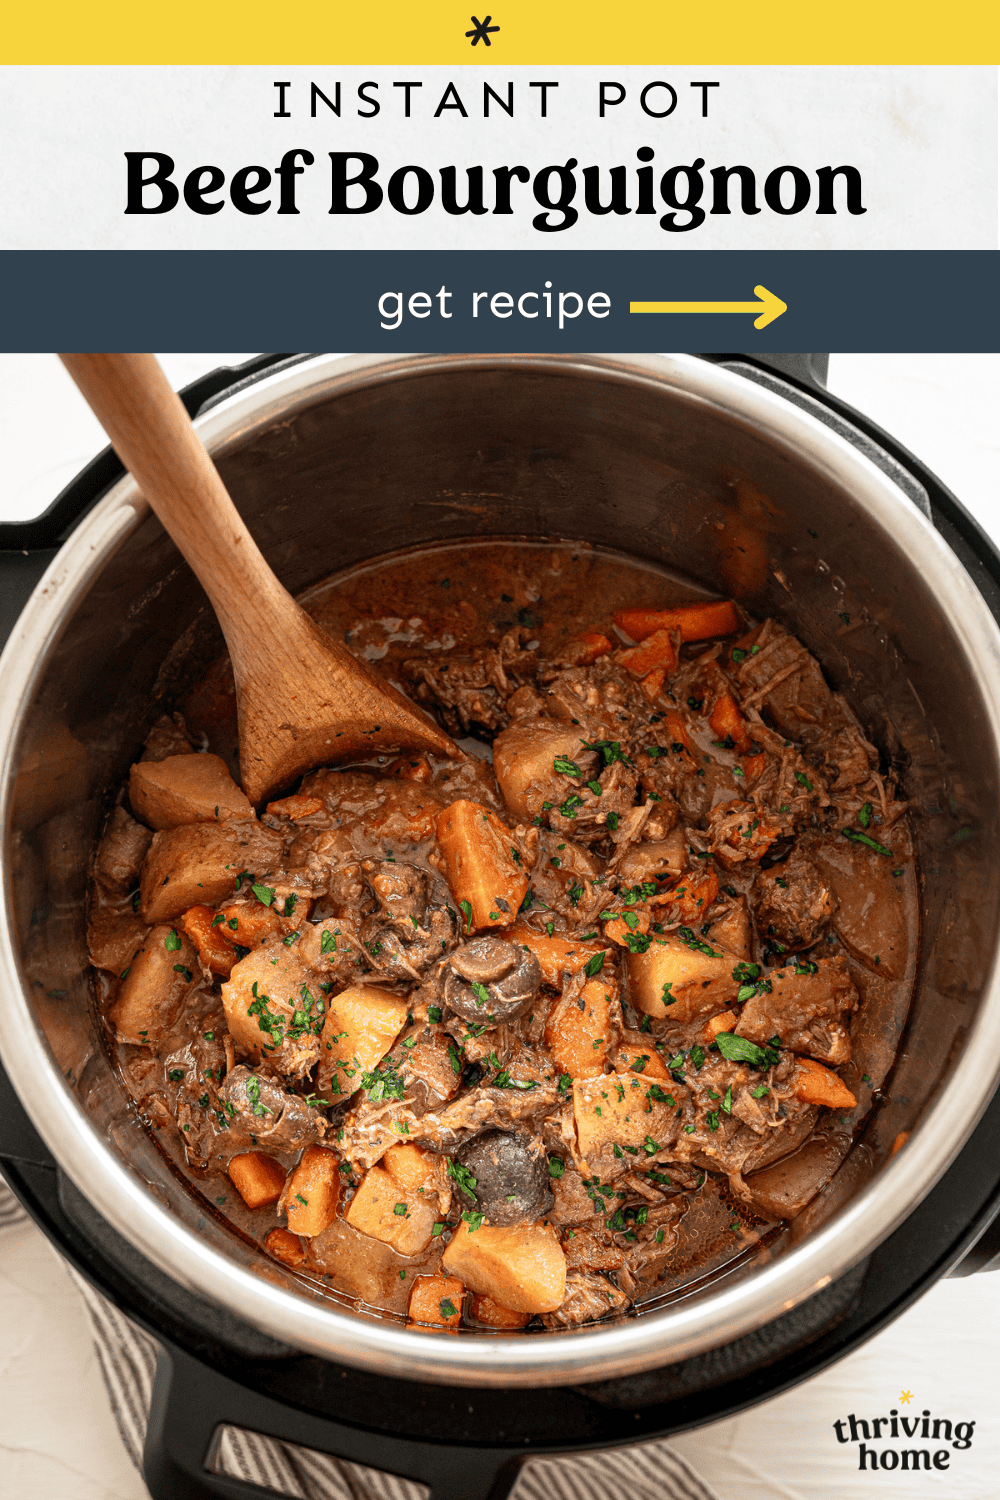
x=905, y=1397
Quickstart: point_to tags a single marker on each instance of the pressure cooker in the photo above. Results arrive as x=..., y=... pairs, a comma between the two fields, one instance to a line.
x=336, y=460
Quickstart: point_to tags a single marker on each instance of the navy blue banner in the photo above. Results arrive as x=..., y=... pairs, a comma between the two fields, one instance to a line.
x=528, y=300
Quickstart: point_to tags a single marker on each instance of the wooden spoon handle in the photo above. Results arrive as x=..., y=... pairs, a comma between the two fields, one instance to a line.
x=153, y=436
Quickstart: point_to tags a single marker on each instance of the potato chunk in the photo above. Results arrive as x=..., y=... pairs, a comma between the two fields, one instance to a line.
x=732, y=932
x=619, y=1109
x=275, y=1010
x=154, y=987
x=673, y=979
x=199, y=863
x=521, y=1267
x=362, y=1023
x=313, y=1192
x=477, y=854
x=185, y=789
x=523, y=762
x=393, y=1211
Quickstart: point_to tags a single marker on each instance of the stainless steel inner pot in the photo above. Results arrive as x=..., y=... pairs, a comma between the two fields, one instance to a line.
x=335, y=460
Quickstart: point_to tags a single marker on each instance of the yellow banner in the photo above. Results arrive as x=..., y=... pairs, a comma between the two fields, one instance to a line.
x=592, y=32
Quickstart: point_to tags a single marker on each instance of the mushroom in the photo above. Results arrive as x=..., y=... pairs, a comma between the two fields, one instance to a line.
x=489, y=980
x=508, y=1174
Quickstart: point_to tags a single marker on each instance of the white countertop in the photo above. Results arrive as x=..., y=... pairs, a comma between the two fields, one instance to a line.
x=58, y=1439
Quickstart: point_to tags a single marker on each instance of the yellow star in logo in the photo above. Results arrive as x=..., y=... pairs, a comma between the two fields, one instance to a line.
x=905, y=1397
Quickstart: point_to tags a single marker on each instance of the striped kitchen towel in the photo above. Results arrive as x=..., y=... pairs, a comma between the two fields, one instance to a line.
x=127, y=1357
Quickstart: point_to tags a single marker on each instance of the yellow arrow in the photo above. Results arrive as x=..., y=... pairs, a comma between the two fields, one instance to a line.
x=768, y=307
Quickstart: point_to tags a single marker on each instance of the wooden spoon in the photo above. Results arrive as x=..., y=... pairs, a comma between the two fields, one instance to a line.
x=303, y=700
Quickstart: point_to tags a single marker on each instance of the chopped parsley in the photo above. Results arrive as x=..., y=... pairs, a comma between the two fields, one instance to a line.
x=383, y=1082
x=466, y=909
x=448, y=1308
x=434, y=1013
x=803, y=780
x=556, y=1166
x=474, y=1220
x=566, y=767
x=862, y=838
x=610, y=749
x=865, y=815
x=689, y=940
x=253, y=1094
x=264, y=893
x=172, y=942
x=740, y=1049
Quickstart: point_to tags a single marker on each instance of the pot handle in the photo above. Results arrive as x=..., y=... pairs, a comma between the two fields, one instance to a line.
x=190, y=1403
x=50, y=529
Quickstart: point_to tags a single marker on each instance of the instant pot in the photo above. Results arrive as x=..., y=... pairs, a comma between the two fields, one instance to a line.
x=845, y=536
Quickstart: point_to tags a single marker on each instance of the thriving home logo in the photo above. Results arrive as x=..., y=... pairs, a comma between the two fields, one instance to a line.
x=868, y=1432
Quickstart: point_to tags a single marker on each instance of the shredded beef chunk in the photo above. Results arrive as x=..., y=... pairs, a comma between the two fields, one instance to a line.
x=793, y=903
x=552, y=1017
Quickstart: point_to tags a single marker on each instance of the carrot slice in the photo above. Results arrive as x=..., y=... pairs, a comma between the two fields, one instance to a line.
x=657, y=650
x=257, y=1178
x=815, y=1084
x=284, y=1247
x=253, y=924
x=313, y=1192
x=643, y=1060
x=618, y=930
x=726, y=1020
x=578, y=1039
x=692, y=895
x=556, y=955
x=477, y=854
x=754, y=766
x=201, y=926
x=484, y=1310
x=696, y=622
x=437, y=1301
x=583, y=650
x=678, y=731
x=727, y=721
x=652, y=685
